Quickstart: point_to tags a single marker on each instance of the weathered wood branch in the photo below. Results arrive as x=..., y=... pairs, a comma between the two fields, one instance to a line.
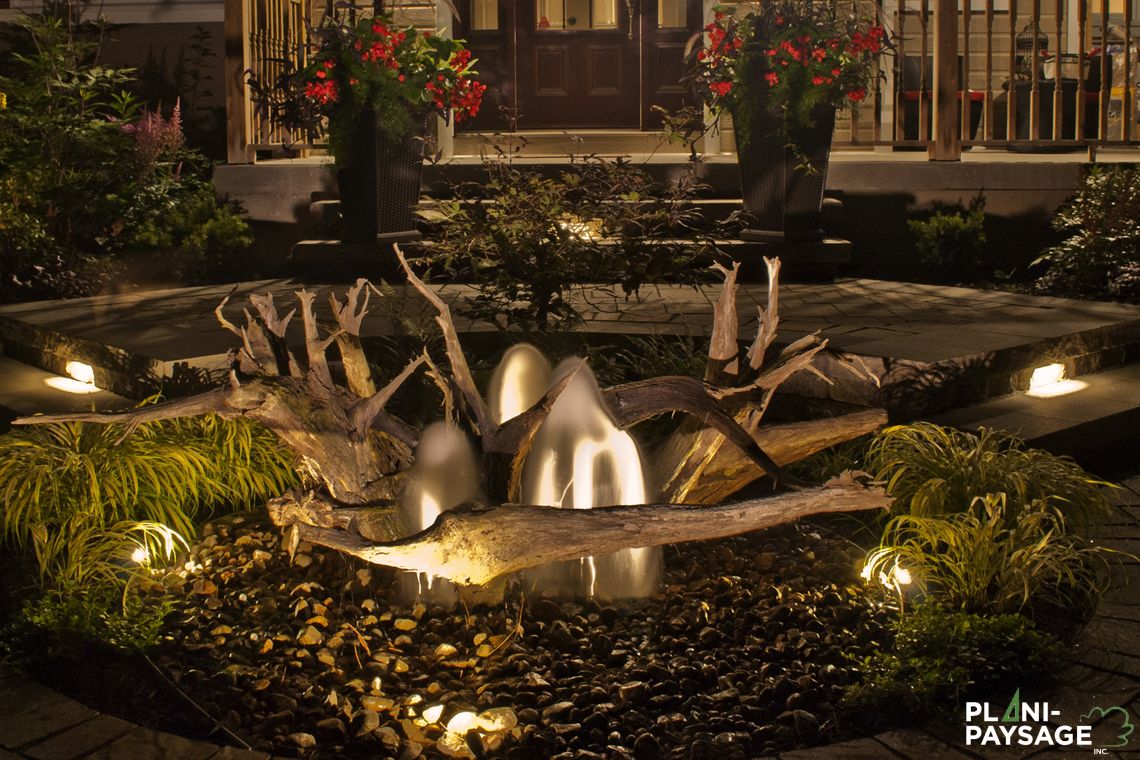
x=696, y=467
x=460, y=372
x=636, y=402
x=365, y=413
x=769, y=318
x=222, y=401
x=349, y=318
x=724, y=350
x=475, y=546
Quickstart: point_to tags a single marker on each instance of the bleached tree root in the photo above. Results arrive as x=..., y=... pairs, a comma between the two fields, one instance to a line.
x=473, y=546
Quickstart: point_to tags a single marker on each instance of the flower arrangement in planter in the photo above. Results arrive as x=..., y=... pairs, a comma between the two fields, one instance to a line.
x=399, y=73
x=372, y=86
x=782, y=70
x=796, y=56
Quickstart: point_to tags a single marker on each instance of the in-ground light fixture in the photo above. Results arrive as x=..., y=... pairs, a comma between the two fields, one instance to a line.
x=1050, y=380
x=80, y=380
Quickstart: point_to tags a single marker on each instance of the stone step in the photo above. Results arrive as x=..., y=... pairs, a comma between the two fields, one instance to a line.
x=1098, y=423
x=933, y=348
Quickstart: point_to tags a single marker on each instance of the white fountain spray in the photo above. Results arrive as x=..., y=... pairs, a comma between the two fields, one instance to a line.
x=579, y=459
x=444, y=475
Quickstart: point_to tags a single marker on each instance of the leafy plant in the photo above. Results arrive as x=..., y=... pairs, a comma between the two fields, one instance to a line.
x=526, y=240
x=934, y=471
x=73, y=619
x=164, y=472
x=987, y=561
x=365, y=63
x=791, y=56
x=87, y=176
x=1101, y=255
x=940, y=657
x=952, y=240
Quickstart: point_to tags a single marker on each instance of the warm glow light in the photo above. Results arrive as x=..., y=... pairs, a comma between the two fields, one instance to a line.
x=1049, y=381
x=865, y=573
x=67, y=385
x=902, y=576
x=83, y=373
x=462, y=722
x=140, y=556
x=81, y=380
x=433, y=713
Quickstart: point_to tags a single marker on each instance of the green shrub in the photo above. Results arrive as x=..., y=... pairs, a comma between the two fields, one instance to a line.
x=526, y=240
x=933, y=471
x=167, y=472
x=941, y=657
x=90, y=176
x=71, y=620
x=952, y=240
x=1101, y=255
x=987, y=561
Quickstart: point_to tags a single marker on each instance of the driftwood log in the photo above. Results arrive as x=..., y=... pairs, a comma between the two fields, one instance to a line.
x=473, y=546
x=355, y=454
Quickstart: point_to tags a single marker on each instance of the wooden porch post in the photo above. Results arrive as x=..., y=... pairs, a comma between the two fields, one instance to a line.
x=947, y=144
x=236, y=40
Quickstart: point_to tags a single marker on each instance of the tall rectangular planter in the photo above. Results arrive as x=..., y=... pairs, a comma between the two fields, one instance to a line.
x=784, y=201
x=380, y=184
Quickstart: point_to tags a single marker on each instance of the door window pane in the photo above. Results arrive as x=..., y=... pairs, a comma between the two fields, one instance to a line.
x=484, y=14
x=551, y=14
x=603, y=14
x=577, y=14
x=671, y=14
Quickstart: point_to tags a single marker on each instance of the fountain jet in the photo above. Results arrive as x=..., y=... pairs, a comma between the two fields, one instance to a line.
x=445, y=474
x=579, y=460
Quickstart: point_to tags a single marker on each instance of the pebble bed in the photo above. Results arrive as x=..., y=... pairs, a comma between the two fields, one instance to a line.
x=745, y=652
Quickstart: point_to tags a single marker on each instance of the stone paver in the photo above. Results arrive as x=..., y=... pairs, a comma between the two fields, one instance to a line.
x=914, y=743
x=859, y=749
x=29, y=712
x=145, y=744
x=80, y=740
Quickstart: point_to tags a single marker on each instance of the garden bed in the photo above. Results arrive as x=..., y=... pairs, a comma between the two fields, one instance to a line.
x=746, y=651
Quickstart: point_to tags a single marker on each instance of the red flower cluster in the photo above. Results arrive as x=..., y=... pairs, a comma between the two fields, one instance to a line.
x=462, y=98
x=871, y=42
x=323, y=91
x=383, y=49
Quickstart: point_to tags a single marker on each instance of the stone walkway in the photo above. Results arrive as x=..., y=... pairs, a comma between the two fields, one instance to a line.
x=958, y=344
x=1101, y=670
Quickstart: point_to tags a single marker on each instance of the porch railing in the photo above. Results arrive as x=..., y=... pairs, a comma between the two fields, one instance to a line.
x=1023, y=74
x=1016, y=74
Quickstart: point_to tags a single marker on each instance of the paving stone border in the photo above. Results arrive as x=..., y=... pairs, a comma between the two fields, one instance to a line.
x=1103, y=667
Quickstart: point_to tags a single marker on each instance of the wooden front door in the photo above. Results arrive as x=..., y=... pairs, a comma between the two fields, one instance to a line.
x=578, y=64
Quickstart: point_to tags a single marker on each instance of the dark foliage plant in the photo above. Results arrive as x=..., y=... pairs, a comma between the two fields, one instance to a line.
x=951, y=242
x=527, y=240
x=89, y=178
x=941, y=657
x=1100, y=257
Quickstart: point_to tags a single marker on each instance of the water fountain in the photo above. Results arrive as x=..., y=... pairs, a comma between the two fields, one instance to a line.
x=579, y=460
x=445, y=475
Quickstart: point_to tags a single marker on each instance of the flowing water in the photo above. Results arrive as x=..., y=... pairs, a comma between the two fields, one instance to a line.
x=445, y=474
x=579, y=460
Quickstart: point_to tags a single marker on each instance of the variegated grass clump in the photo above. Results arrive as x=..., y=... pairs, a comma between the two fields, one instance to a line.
x=934, y=471
x=101, y=509
x=986, y=560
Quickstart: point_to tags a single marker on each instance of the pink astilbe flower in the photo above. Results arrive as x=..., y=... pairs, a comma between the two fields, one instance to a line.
x=156, y=137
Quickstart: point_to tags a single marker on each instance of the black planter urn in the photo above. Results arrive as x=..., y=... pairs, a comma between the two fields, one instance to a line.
x=783, y=199
x=379, y=184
